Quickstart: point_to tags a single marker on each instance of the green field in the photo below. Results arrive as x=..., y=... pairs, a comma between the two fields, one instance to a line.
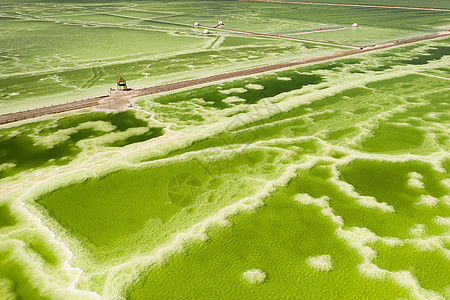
x=324, y=181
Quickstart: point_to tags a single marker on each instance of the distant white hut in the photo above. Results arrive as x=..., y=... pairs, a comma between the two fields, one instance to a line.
x=196, y=24
x=206, y=31
x=355, y=25
x=220, y=23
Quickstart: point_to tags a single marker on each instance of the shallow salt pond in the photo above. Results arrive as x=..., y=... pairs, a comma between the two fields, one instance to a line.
x=328, y=180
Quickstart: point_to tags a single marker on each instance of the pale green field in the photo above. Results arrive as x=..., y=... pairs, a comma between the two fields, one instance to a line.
x=413, y=3
x=53, y=52
x=326, y=181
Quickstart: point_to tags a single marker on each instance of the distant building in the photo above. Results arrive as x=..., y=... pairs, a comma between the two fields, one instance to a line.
x=196, y=24
x=121, y=84
x=220, y=23
x=355, y=25
x=206, y=31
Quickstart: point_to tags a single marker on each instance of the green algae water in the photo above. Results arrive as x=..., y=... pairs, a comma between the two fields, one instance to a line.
x=278, y=239
x=57, y=142
x=325, y=181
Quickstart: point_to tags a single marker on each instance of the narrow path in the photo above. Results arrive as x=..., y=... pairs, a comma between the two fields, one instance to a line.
x=280, y=36
x=348, y=4
x=91, y=102
x=431, y=75
x=316, y=30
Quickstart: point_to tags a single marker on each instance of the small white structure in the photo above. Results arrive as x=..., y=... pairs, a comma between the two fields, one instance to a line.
x=206, y=31
x=196, y=24
x=220, y=23
x=355, y=25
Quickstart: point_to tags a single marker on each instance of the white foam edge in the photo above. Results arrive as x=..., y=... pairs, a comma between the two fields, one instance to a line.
x=357, y=238
x=415, y=180
x=349, y=190
x=42, y=280
x=427, y=200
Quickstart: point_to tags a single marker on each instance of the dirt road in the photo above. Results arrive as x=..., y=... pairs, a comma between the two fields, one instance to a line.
x=22, y=115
